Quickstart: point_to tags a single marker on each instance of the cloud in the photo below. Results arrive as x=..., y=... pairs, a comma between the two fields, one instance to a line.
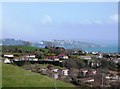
x=98, y=22
x=114, y=18
x=46, y=19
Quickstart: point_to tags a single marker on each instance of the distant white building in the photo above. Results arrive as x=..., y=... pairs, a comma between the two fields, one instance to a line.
x=86, y=80
x=94, y=53
x=9, y=55
x=16, y=59
x=35, y=59
x=84, y=71
x=65, y=57
x=98, y=56
x=7, y=61
x=55, y=75
x=30, y=56
x=65, y=72
x=56, y=59
x=55, y=70
x=86, y=57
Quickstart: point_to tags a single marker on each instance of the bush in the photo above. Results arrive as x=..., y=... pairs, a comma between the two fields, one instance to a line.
x=71, y=63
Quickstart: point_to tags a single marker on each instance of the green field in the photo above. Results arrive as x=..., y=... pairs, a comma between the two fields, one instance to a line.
x=14, y=76
x=23, y=48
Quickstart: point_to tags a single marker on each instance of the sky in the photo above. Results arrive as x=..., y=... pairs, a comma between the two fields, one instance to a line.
x=35, y=21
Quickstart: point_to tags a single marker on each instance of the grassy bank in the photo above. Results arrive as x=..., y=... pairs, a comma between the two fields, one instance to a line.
x=14, y=76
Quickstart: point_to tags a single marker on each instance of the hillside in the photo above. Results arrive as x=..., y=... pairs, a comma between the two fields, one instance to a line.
x=68, y=44
x=14, y=76
x=22, y=49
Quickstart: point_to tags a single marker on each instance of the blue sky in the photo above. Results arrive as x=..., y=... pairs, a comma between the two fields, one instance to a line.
x=93, y=21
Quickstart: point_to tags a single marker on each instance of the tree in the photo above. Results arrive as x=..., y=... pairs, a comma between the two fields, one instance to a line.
x=27, y=44
x=104, y=64
x=39, y=55
x=118, y=66
x=80, y=63
x=72, y=63
x=112, y=65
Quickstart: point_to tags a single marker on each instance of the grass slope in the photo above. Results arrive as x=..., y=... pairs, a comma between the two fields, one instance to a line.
x=23, y=48
x=14, y=76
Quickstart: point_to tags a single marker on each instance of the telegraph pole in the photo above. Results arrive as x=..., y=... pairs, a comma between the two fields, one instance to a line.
x=102, y=80
x=54, y=77
x=55, y=84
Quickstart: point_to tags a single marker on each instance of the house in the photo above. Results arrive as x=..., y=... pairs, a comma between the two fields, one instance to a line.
x=94, y=72
x=55, y=70
x=7, y=61
x=55, y=75
x=91, y=73
x=54, y=58
x=33, y=59
x=94, y=53
x=107, y=77
x=84, y=71
x=112, y=75
x=42, y=71
x=85, y=80
x=62, y=56
x=63, y=71
x=16, y=59
x=86, y=57
x=10, y=56
x=98, y=56
x=116, y=60
x=65, y=57
x=30, y=56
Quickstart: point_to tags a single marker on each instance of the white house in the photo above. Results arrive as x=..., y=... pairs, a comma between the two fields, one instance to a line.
x=30, y=56
x=65, y=72
x=56, y=59
x=108, y=77
x=86, y=80
x=94, y=53
x=89, y=80
x=100, y=56
x=84, y=71
x=65, y=57
x=7, y=61
x=55, y=75
x=94, y=72
x=55, y=70
x=9, y=55
x=16, y=59
x=35, y=59
x=85, y=57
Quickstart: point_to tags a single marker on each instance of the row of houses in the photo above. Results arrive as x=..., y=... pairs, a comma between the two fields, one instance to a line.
x=57, y=72
x=62, y=73
x=9, y=58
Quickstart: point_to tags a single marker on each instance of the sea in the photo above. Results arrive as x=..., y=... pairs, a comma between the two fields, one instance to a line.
x=106, y=49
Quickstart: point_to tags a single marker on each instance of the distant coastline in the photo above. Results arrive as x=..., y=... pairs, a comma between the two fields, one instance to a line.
x=67, y=44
